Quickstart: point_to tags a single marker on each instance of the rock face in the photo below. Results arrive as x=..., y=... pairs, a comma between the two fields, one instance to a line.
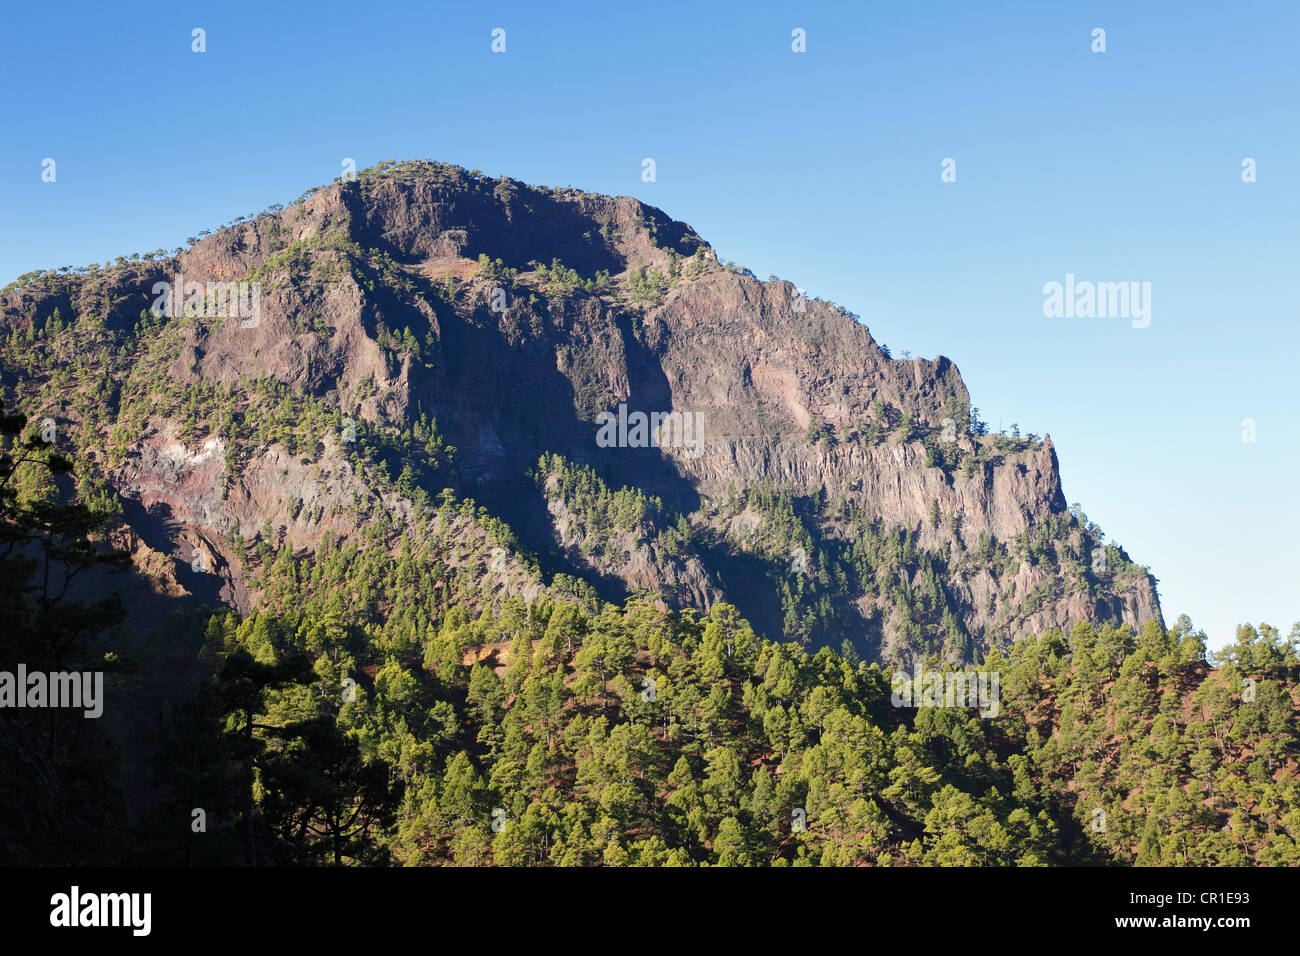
x=514, y=317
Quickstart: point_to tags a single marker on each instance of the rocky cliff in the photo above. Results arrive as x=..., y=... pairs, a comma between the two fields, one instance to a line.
x=424, y=336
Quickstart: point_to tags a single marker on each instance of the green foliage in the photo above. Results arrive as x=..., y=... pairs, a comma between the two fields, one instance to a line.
x=640, y=736
x=61, y=790
x=557, y=280
x=494, y=270
x=601, y=512
x=646, y=287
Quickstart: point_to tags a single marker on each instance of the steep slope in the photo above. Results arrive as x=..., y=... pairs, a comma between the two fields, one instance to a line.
x=423, y=335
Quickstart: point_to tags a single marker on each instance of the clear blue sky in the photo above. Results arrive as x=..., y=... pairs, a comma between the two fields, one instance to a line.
x=821, y=167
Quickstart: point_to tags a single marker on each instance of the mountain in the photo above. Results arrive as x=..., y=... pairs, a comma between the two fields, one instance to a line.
x=429, y=354
x=436, y=519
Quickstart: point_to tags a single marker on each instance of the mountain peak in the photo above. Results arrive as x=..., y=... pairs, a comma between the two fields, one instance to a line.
x=423, y=331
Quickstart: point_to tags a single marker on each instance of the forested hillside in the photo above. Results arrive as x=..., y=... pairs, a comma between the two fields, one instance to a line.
x=356, y=718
